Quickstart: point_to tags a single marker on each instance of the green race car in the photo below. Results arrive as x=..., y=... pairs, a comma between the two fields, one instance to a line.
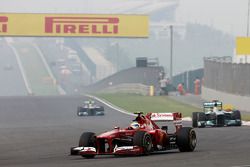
x=214, y=115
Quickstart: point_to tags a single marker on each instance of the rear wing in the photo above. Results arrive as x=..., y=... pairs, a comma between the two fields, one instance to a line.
x=89, y=102
x=176, y=118
x=162, y=117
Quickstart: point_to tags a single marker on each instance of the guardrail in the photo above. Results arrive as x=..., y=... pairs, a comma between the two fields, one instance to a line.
x=128, y=88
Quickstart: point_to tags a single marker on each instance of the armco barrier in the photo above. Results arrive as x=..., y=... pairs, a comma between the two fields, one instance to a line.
x=135, y=75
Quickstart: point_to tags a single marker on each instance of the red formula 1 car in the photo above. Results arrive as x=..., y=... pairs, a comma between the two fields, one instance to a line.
x=143, y=136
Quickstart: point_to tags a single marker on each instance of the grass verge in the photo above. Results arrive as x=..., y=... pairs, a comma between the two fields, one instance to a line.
x=134, y=102
x=245, y=117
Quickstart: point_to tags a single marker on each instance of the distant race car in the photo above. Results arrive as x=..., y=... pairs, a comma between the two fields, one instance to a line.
x=142, y=137
x=89, y=108
x=215, y=115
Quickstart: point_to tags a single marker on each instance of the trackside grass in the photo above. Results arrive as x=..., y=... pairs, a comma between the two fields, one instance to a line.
x=134, y=102
x=245, y=117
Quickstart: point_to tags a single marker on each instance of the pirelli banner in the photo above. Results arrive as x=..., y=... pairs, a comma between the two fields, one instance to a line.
x=73, y=25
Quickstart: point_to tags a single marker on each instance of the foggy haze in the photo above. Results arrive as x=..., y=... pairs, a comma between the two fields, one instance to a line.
x=202, y=28
x=73, y=69
x=227, y=15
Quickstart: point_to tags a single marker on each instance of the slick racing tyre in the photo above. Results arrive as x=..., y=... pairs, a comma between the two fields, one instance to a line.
x=143, y=139
x=236, y=115
x=87, y=139
x=186, y=139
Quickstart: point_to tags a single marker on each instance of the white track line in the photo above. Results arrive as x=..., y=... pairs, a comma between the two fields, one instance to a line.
x=111, y=105
x=23, y=73
x=246, y=123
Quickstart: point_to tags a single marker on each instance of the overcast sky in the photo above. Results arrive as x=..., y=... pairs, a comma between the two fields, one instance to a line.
x=227, y=15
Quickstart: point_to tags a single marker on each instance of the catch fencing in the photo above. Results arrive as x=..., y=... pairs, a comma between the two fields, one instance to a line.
x=187, y=79
x=223, y=75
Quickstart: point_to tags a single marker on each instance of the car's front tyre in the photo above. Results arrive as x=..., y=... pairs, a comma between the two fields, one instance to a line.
x=143, y=139
x=88, y=139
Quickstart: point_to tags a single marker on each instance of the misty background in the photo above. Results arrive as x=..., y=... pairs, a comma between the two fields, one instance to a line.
x=202, y=28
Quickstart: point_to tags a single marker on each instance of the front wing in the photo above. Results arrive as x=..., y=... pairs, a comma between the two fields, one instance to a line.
x=125, y=150
x=213, y=123
x=92, y=112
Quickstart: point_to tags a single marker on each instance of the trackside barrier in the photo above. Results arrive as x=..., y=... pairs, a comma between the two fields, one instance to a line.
x=239, y=102
x=151, y=90
x=222, y=75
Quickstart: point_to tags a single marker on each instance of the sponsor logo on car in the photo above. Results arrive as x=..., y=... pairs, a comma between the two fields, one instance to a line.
x=162, y=117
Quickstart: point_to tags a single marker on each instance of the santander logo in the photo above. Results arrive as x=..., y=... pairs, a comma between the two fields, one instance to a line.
x=162, y=115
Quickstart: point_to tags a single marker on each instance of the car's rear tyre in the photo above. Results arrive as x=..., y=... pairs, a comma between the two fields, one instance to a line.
x=236, y=115
x=87, y=139
x=143, y=139
x=186, y=139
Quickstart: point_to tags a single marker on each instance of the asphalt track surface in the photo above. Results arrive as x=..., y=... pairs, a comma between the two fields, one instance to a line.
x=39, y=131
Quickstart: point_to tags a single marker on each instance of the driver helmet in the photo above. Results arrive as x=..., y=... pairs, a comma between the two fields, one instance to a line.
x=135, y=125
